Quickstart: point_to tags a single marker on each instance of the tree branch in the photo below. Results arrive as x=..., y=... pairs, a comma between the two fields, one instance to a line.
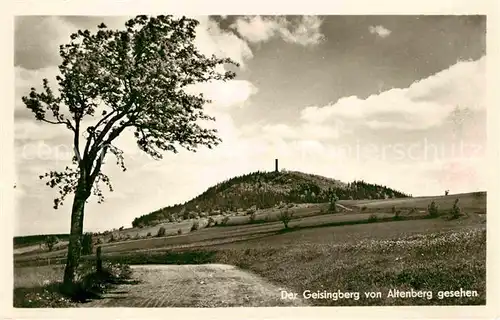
x=105, y=118
x=97, y=167
x=67, y=123
x=76, y=142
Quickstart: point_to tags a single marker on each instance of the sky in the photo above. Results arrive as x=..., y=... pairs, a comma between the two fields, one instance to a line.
x=393, y=100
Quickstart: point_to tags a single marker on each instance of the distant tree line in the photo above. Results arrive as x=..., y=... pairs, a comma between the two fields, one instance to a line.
x=36, y=239
x=263, y=190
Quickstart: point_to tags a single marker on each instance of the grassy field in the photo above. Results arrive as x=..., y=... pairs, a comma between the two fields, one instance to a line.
x=329, y=251
x=475, y=202
x=304, y=215
x=227, y=234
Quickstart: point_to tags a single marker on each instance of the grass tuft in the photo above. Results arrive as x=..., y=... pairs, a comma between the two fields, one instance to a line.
x=90, y=285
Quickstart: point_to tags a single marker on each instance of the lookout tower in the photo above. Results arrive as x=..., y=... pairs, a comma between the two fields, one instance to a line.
x=276, y=165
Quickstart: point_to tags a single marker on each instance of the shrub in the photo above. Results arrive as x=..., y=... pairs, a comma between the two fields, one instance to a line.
x=91, y=284
x=87, y=245
x=161, y=232
x=211, y=221
x=253, y=216
x=149, y=234
x=363, y=208
x=121, y=228
x=433, y=209
x=397, y=215
x=285, y=216
x=192, y=215
x=51, y=241
x=373, y=218
x=456, y=212
x=213, y=213
x=179, y=231
x=195, y=226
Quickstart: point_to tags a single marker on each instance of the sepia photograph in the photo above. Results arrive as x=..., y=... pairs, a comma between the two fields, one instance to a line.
x=221, y=161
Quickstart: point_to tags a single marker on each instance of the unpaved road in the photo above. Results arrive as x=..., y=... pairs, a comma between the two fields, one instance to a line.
x=343, y=207
x=209, y=285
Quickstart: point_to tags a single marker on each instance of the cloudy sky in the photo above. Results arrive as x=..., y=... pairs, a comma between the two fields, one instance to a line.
x=394, y=100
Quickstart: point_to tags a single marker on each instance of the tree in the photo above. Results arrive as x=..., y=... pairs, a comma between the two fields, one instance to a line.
x=446, y=192
x=134, y=79
x=51, y=241
x=332, y=199
x=433, y=209
x=455, y=210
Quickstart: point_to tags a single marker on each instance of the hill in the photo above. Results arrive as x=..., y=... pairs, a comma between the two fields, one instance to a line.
x=261, y=190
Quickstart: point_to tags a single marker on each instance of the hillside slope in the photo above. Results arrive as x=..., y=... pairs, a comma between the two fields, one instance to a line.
x=261, y=190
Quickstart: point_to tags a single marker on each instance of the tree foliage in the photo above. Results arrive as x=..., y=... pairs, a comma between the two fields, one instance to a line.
x=433, y=209
x=161, y=232
x=456, y=212
x=51, y=241
x=332, y=206
x=285, y=216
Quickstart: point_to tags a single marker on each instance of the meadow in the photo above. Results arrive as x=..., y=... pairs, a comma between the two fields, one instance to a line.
x=347, y=251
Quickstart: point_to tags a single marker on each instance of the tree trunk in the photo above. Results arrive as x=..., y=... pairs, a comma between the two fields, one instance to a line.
x=75, y=237
x=98, y=259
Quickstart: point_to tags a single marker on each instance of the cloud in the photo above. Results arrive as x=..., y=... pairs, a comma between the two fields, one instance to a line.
x=37, y=40
x=380, y=30
x=211, y=39
x=256, y=29
x=303, y=131
x=426, y=103
x=306, y=31
x=24, y=80
x=233, y=93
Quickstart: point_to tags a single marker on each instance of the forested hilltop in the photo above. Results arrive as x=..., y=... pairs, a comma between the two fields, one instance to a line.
x=261, y=190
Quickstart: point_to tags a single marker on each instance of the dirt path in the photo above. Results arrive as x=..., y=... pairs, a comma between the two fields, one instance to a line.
x=343, y=207
x=209, y=285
